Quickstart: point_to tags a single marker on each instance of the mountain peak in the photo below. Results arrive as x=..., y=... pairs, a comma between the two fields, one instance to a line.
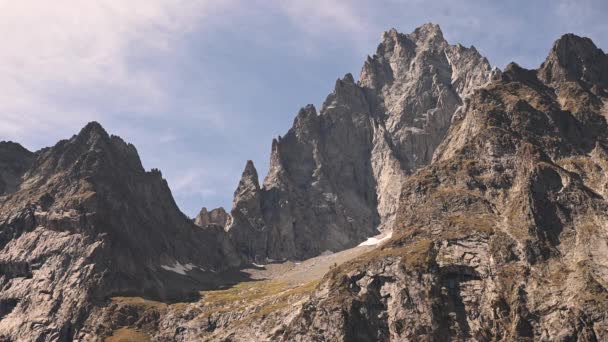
x=348, y=78
x=12, y=146
x=392, y=33
x=428, y=34
x=306, y=111
x=429, y=28
x=422, y=33
x=93, y=129
x=574, y=58
x=249, y=180
x=514, y=72
x=91, y=152
x=250, y=169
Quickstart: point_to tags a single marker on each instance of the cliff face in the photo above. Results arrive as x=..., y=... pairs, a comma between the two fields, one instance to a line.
x=82, y=221
x=335, y=177
x=503, y=236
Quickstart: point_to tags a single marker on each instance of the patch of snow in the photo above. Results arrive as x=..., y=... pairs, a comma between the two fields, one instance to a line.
x=330, y=197
x=258, y=265
x=414, y=129
x=179, y=268
x=326, y=253
x=372, y=241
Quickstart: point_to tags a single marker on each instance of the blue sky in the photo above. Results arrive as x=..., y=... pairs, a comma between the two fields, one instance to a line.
x=201, y=86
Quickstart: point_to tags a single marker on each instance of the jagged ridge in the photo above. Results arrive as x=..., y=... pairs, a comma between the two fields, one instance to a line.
x=335, y=177
x=85, y=222
x=503, y=236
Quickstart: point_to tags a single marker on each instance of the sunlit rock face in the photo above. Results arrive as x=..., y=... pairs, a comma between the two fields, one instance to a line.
x=504, y=235
x=217, y=217
x=335, y=177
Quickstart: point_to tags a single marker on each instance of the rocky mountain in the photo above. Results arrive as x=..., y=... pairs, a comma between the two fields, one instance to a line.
x=82, y=221
x=492, y=185
x=335, y=177
x=503, y=236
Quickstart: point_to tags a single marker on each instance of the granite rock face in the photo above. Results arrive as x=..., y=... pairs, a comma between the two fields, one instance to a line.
x=217, y=217
x=335, y=177
x=503, y=236
x=83, y=220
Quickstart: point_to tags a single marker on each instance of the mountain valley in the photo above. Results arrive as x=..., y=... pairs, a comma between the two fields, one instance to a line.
x=433, y=199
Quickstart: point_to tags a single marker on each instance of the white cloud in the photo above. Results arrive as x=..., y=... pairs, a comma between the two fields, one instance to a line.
x=318, y=16
x=321, y=21
x=196, y=181
x=189, y=180
x=64, y=62
x=167, y=137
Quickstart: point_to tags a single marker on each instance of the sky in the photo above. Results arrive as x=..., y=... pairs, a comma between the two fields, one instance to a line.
x=201, y=86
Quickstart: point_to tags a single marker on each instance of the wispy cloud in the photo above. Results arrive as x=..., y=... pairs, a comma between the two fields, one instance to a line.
x=69, y=61
x=318, y=16
x=320, y=24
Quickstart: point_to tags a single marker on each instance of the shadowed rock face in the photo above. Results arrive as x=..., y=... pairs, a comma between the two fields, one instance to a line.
x=503, y=236
x=575, y=59
x=335, y=177
x=15, y=160
x=82, y=221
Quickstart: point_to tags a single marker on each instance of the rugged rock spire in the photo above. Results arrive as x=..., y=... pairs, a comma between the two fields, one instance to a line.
x=250, y=236
x=249, y=184
x=334, y=178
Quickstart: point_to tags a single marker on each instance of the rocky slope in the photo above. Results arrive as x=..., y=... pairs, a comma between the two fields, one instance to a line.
x=81, y=221
x=334, y=177
x=504, y=236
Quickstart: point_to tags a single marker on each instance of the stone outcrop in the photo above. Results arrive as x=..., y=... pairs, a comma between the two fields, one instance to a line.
x=503, y=237
x=217, y=217
x=335, y=177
